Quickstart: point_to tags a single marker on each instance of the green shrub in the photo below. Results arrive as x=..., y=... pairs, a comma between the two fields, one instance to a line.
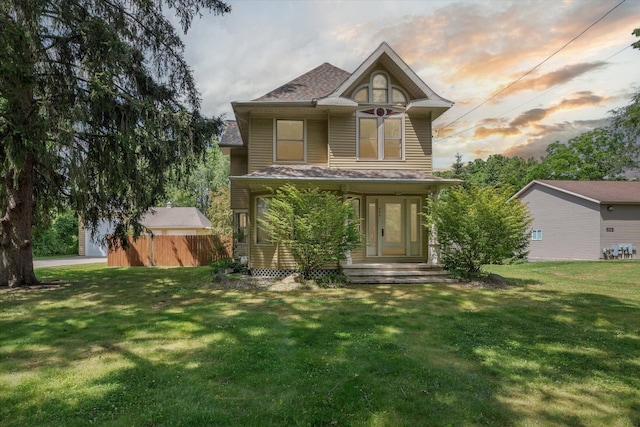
x=478, y=226
x=316, y=226
x=228, y=264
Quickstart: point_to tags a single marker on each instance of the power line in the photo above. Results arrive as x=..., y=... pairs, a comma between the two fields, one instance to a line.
x=524, y=103
x=534, y=68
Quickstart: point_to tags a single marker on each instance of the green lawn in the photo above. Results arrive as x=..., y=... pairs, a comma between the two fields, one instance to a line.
x=142, y=347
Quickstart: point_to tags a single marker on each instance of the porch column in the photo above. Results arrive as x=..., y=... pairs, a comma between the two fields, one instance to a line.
x=347, y=256
x=433, y=246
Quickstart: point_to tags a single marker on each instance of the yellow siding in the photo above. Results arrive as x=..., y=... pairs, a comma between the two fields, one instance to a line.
x=261, y=144
x=317, y=142
x=342, y=141
x=342, y=152
x=358, y=255
x=239, y=166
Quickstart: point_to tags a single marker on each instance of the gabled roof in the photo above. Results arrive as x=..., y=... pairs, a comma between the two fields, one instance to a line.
x=328, y=88
x=231, y=135
x=392, y=61
x=175, y=218
x=316, y=83
x=601, y=192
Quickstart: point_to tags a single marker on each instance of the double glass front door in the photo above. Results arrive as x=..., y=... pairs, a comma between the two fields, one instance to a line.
x=393, y=226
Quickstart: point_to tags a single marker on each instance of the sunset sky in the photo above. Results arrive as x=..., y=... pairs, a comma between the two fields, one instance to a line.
x=466, y=51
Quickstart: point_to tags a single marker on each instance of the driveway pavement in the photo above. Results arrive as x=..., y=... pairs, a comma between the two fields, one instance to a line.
x=57, y=262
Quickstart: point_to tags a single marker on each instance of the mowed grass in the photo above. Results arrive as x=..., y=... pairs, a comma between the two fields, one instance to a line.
x=142, y=347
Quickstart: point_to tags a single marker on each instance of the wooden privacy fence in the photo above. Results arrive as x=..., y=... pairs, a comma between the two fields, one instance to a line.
x=171, y=251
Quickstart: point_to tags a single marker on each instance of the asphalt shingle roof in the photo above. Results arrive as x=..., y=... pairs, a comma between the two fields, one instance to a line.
x=231, y=135
x=316, y=83
x=602, y=191
x=325, y=173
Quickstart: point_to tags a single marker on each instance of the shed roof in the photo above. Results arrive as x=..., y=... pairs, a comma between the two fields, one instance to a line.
x=179, y=217
x=596, y=191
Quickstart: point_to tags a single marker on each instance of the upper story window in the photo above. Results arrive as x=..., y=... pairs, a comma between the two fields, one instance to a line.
x=380, y=134
x=379, y=91
x=289, y=144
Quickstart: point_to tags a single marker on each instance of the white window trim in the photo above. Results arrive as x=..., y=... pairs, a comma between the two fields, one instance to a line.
x=536, y=235
x=360, y=114
x=304, y=141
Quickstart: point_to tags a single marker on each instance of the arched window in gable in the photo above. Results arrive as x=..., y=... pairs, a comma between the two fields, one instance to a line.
x=379, y=90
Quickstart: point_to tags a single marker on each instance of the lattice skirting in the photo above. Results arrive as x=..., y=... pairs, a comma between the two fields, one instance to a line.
x=280, y=274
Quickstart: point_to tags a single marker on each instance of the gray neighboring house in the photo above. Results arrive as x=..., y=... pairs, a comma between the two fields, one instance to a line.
x=576, y=220
x=169, y=221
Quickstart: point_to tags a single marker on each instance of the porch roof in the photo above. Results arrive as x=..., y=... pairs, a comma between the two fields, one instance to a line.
x=322, y=174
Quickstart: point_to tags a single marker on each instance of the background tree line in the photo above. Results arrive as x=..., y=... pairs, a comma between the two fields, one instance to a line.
x=607, y=153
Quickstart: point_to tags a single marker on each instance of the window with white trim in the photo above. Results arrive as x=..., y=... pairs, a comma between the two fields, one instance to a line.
x=380, y=134
x=379, y=90
x=289, y=141
x=536, y=234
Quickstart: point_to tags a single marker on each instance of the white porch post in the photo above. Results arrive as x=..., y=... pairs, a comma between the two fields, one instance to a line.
x=434, y=247
x=347, y=255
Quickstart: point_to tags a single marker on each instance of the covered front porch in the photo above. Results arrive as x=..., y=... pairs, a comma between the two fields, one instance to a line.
x=397, y=248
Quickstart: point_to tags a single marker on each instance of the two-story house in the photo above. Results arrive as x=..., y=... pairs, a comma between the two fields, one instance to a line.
x=366, y=135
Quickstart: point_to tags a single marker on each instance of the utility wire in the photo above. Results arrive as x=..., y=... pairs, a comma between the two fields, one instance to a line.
x=534, y=68
x=524, y=103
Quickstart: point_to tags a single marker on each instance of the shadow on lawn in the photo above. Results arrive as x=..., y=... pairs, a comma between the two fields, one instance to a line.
x=388, y=355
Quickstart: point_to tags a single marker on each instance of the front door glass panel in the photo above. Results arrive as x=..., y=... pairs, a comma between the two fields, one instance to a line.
x=393, y=228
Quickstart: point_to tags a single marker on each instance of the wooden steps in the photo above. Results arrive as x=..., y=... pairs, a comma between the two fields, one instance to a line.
x=395, y=273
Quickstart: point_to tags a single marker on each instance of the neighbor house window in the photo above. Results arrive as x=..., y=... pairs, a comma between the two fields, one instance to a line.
x=262, y=205
x=536, y=234
x=289, y=141
x=380, y=134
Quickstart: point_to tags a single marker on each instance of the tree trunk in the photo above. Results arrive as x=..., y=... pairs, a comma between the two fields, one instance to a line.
x=16, y=256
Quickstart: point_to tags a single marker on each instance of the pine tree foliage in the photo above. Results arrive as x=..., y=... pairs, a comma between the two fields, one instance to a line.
x=98, y=107
x=318, y=227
